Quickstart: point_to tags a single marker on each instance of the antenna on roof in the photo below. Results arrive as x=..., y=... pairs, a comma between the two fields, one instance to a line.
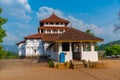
x=71, y=25
x=53, y=12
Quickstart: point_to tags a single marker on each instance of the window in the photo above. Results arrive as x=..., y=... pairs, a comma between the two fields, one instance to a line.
x=41, y=30
x=76, y=47
x=48, y=31
x=57, y=23
x=86, y=47
x=51, y=23
x=61, y=31
x=65, y=46
x=35, y=50
x=55, y=31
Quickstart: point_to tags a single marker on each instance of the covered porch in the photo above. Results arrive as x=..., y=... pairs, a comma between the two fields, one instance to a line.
x=73, y=51
x=74, y=44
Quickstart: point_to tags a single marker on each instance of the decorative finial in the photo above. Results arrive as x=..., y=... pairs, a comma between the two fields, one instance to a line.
x=53, y=12
x=71, y=25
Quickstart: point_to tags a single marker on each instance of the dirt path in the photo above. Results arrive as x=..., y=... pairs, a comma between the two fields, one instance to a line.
x=30, y=70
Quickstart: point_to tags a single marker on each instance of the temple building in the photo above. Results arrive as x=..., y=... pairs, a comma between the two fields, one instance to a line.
x=59, y=42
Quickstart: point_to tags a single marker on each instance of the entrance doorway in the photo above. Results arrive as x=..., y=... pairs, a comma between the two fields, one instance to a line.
x=76, y=51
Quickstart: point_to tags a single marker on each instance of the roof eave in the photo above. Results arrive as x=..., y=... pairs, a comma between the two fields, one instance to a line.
x=77, y=40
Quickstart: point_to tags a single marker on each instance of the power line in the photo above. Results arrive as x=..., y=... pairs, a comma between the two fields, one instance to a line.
x=108, y=22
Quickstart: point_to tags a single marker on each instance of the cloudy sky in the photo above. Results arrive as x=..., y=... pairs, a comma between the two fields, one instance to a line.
x=98, y=15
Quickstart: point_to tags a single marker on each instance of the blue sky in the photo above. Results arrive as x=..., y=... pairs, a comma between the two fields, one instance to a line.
x=24, y=15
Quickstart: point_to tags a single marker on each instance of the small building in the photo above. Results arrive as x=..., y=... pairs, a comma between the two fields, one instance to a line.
x=59, y=42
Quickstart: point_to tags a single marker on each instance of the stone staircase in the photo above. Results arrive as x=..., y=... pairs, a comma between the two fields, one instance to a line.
x=77, y=64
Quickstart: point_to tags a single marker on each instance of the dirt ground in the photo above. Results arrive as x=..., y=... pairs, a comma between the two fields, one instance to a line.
x=27, y=69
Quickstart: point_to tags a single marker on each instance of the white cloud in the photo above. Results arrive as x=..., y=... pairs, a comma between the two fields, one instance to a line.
x=47, y=11
x=10, y=39
x=17, y=9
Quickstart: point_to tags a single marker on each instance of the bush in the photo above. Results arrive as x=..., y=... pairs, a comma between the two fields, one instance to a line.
x=90, y=64
x=51, y=63
x=8, y=55
x=67, y=65
x=113, y=50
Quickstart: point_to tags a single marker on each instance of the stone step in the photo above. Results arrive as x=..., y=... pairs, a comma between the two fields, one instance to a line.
x=77, y=64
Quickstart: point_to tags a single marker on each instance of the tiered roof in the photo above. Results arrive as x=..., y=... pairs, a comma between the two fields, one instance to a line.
x=71, y=35
x=54, y=19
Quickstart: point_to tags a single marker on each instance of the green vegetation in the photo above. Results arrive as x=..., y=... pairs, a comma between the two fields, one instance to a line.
x=51, y=63
x=2, y=31
x=113, y=50
x=7, y=55
x=92, y=34
x=104, y=46
x=4, y=54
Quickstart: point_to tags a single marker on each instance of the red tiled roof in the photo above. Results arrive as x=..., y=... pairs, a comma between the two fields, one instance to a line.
x=34, y=36
x=44, y=37
x=73, y=35
x=53, y=27
x=54, y=18
x=20, y=42
x=49, y=37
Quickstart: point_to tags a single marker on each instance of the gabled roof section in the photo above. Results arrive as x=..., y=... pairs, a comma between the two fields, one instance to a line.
x=49, y=37
x=73, y=35
x=34, y=36
x=44, y=37
x=20, y=42
x=54, y=18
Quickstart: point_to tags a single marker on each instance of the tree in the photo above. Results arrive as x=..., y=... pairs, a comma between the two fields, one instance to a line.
x=113, y=50
x=90, y=33
x=2, y=31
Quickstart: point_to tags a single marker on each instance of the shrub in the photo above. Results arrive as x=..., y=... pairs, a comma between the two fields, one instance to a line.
x=51, y=63
x=71, y=65
x=8, y=55
x=85, y=64
x=57, y=65
x=67, y=65
x=95, y=64
x=113, y=50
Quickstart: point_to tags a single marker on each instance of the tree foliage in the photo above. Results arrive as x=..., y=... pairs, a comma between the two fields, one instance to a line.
x=4, y=54
x=103, y=46
x=113, y=50
x=2, y=31
x=90, y=33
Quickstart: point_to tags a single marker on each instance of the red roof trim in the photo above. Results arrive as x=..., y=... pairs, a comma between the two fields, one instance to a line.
x=54, y=18
x=53, y=27
x=20, y=42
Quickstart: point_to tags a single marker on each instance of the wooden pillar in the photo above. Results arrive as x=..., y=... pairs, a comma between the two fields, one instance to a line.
x=92, y=47
x=70, y=46
x=81, y=47
x=60, y=47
